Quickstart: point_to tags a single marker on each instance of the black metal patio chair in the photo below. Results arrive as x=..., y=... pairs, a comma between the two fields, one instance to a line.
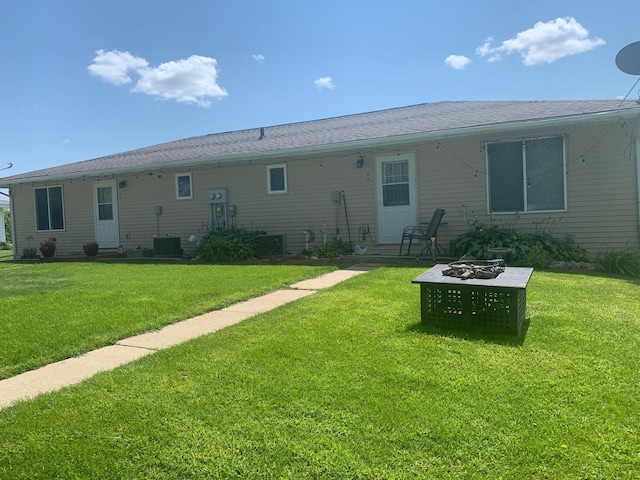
x=424, y=233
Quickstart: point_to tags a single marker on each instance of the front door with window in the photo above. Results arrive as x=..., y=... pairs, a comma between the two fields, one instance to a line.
x=106, y=214
x=396, y=196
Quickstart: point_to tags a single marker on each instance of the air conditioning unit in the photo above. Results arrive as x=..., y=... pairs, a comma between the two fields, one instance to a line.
x=272, y=245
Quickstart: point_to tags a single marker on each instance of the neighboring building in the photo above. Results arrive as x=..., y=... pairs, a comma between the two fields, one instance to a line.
x=566, y=166
x=4, y=205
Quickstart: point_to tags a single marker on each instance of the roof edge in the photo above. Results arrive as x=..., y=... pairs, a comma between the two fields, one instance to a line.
x=438, y=135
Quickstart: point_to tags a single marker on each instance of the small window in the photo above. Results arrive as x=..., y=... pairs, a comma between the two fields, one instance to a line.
x=395, y=183
x=277, y=179
x=183, y=186
x=49, y=208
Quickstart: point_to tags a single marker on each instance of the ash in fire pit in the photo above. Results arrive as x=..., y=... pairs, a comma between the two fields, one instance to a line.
x=483, y=269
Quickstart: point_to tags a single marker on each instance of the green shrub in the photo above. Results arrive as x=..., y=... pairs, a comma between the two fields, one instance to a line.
x=7, y=224
x=622, y=262
x=232, y=244
x=333, y=249
x=538, y=249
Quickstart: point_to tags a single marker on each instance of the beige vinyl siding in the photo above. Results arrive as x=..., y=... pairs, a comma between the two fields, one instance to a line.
x=78, y=214
x=602, y=208
x=307, y=204
x=446, y=182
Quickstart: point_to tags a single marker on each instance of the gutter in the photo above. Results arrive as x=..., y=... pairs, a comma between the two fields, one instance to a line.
x=413, y=138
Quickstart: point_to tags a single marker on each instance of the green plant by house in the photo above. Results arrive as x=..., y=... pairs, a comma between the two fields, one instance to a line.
x=334, y=249
x=49, y=242
x=537, y=249
x=229, y=245
x=7, y=224
x=29, y=252
x=625, y=262
x=91, y=248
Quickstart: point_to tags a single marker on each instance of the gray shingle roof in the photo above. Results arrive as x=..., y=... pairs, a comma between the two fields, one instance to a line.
x=383, y=126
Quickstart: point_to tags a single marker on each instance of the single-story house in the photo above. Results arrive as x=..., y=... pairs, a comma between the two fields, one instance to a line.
x=4, y=205
x=571, y=167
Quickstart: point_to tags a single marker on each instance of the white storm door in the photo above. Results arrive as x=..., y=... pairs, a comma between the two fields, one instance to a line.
x=396, y=196
x=105, y=208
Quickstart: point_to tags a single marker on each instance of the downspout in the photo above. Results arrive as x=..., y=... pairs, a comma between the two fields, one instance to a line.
x=12, y=206
x=637, y=178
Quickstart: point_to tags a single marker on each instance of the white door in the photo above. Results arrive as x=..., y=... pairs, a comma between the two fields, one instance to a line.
x=396, y=196
x=105, y=208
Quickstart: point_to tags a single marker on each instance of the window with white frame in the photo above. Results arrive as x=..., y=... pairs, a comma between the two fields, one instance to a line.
x=277, y=178
x=395, y=183
x=49, y=208
x=527, y=175
x=184, y=190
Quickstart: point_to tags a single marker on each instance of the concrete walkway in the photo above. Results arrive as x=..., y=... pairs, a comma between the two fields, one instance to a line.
x=74, y=370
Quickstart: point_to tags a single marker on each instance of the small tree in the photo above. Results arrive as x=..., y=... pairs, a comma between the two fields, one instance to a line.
x=7, y=225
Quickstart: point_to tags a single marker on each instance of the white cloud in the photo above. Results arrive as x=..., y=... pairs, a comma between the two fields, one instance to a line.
x=458, y=62
x=66, y=141
x=191, y=80
x=114, y=66
x=258, y=57
x=324, y=82
x=487, y=50
x=544, y=42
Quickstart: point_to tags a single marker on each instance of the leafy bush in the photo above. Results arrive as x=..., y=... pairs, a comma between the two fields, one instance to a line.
x=228, y=245
x=538, y=249
x=334, y=249
x=7, y=223
x=622, y=262
x=5, y=246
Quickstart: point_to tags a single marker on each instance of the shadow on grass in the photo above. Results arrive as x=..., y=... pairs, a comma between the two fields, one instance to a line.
x=474, y=336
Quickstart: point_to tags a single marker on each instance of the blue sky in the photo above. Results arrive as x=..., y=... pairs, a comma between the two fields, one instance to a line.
x=85, y=79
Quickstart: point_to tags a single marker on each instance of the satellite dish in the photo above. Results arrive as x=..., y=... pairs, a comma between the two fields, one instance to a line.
x=628, y=59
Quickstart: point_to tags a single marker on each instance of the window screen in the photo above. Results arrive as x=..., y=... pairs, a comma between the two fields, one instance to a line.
x=526, y=175
x=49, y=208
x=277, y=179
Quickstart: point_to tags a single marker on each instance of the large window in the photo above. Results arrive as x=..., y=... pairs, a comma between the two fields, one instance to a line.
x=526, y=175
x=277, y=179
x=183, y=186
x=49, y=208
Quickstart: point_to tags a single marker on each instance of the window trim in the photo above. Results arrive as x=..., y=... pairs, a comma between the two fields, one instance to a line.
x=282, y=166
x=524, y=176
x=383, y=184
x=35, y=204
x=177, y=177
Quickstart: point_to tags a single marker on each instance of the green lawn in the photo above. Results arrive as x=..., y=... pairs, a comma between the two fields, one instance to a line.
x=51, y=311
x=347, y=384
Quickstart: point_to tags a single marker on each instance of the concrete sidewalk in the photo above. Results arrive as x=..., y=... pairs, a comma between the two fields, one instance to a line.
x=74, y=370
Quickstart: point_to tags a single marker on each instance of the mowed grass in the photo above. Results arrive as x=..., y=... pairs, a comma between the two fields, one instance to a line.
x=348, y=384
x=52, y=311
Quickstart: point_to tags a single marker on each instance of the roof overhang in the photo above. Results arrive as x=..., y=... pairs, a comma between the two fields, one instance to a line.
x=390, y=142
